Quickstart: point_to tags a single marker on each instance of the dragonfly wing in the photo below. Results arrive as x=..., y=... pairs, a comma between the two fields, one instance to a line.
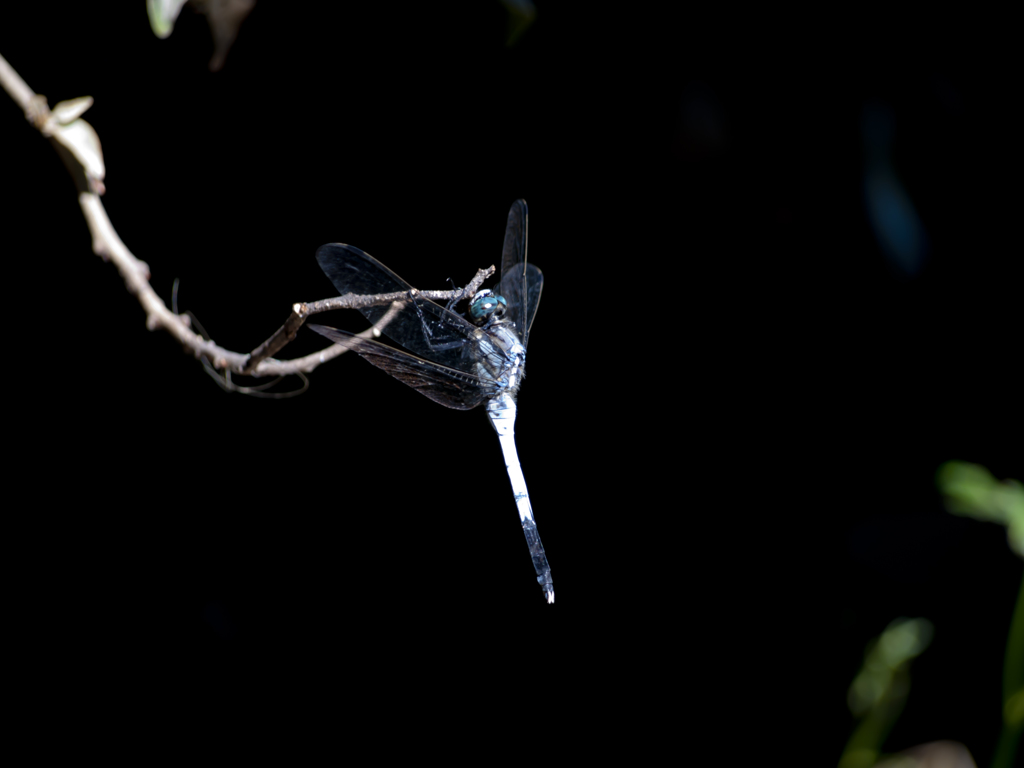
x=534, y=285
x=520, y=283
x=450, y=387
x=353, y=271
x=424, y=328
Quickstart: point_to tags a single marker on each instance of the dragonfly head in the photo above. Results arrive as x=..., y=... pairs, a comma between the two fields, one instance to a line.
x=485, y=305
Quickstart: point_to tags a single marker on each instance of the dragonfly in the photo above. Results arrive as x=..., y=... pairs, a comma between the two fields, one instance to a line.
x=459, y=361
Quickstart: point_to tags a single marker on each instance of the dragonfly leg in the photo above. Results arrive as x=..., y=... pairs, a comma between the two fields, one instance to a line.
x=428, y=334
x=454, y=299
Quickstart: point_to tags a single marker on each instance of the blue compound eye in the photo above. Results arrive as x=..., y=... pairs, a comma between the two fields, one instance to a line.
x=486, y=304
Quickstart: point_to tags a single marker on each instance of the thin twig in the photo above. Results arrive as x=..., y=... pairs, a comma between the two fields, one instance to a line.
x=303, y=310
x=107, y=245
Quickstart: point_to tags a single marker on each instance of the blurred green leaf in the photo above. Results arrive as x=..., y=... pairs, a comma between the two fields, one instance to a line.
x=162, y=15
x=971, y=491
x=521, y=14
x=880, y=689
x=76, y=138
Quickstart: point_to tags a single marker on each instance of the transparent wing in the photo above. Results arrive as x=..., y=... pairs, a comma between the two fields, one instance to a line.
x=521, y=283
x=424, y=328
x=448, y=386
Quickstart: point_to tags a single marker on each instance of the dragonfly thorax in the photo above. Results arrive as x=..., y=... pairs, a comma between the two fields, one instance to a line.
x=485, y=305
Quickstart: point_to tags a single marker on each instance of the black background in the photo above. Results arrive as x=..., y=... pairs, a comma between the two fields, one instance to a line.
x=735, y=409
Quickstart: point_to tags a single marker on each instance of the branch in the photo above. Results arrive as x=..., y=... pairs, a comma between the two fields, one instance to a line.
x=78, y=145
x=257, y=359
